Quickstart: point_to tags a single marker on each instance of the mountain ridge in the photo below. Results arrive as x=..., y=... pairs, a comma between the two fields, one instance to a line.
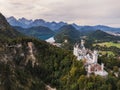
x=25, y=23
x=39, y=32
x=102, y=36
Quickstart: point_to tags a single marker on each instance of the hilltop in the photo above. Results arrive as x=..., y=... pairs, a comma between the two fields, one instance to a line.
x=6, y=31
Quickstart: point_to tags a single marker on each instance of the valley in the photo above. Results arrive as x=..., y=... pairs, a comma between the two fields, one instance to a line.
x=67, y=57
x=59, y=44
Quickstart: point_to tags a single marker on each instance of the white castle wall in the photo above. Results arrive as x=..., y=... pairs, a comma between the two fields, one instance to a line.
x=81, y=53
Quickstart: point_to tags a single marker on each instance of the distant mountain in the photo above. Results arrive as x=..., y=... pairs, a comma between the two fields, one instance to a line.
x=106, y=28
x=98, y=27
x=85, y=30
x=102, y=36
x=39, y=32
x=25, y=23
x=67, y=32
x=6, y=31
x=76, y=26
x=14, y=22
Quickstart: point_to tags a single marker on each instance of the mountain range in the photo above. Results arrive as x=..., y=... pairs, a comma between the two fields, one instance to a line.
x=41, y=29
x=25, y=23
x=73, y=35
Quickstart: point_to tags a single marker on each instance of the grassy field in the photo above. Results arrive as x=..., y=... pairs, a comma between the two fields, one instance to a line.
x=106, y=52
x=108, y=44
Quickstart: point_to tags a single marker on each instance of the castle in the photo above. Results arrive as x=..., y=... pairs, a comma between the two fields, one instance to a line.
x=90, y=59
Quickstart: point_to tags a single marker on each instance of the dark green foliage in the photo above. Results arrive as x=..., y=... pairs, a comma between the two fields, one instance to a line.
x=39, y=32
x=56, y=67
x=67, y=32
x=86, y=30
x=53, y=64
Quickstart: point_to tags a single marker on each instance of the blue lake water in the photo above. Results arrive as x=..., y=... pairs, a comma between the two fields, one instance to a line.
x=44, y=37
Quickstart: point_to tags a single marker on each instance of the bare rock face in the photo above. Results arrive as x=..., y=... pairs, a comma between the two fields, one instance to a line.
x=50, y=88
x=30, y=56
x=19, y=53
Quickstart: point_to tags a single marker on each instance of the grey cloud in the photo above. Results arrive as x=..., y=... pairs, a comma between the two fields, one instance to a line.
x=78, y=11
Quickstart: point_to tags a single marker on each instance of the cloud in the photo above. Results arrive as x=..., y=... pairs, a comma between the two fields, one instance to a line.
x=83, y=12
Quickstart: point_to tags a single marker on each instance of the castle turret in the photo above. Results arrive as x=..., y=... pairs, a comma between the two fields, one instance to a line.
x=95, y=56
x=75, y=51
x=102, y=67
x=83, y=48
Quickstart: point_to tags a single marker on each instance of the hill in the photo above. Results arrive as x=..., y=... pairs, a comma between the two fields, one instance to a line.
x=39, y=32
x=97, y=27
x=107, y=28
x=28, y=63
x=67, y=32
x=85, y=30
x=6, y=31
x=102, y=36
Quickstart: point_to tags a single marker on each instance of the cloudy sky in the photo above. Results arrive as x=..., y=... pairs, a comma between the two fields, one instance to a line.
x=82, y=12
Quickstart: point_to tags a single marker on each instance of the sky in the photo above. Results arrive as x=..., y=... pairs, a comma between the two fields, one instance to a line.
x=82, y=12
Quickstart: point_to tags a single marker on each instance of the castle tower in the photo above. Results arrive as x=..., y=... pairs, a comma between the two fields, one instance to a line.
x=102, y=66
x=95, y=56
x=82, y=44
x=75, y=51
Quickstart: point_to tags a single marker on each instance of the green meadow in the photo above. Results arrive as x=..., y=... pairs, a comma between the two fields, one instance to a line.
x=108, y=44
x=106, y=52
